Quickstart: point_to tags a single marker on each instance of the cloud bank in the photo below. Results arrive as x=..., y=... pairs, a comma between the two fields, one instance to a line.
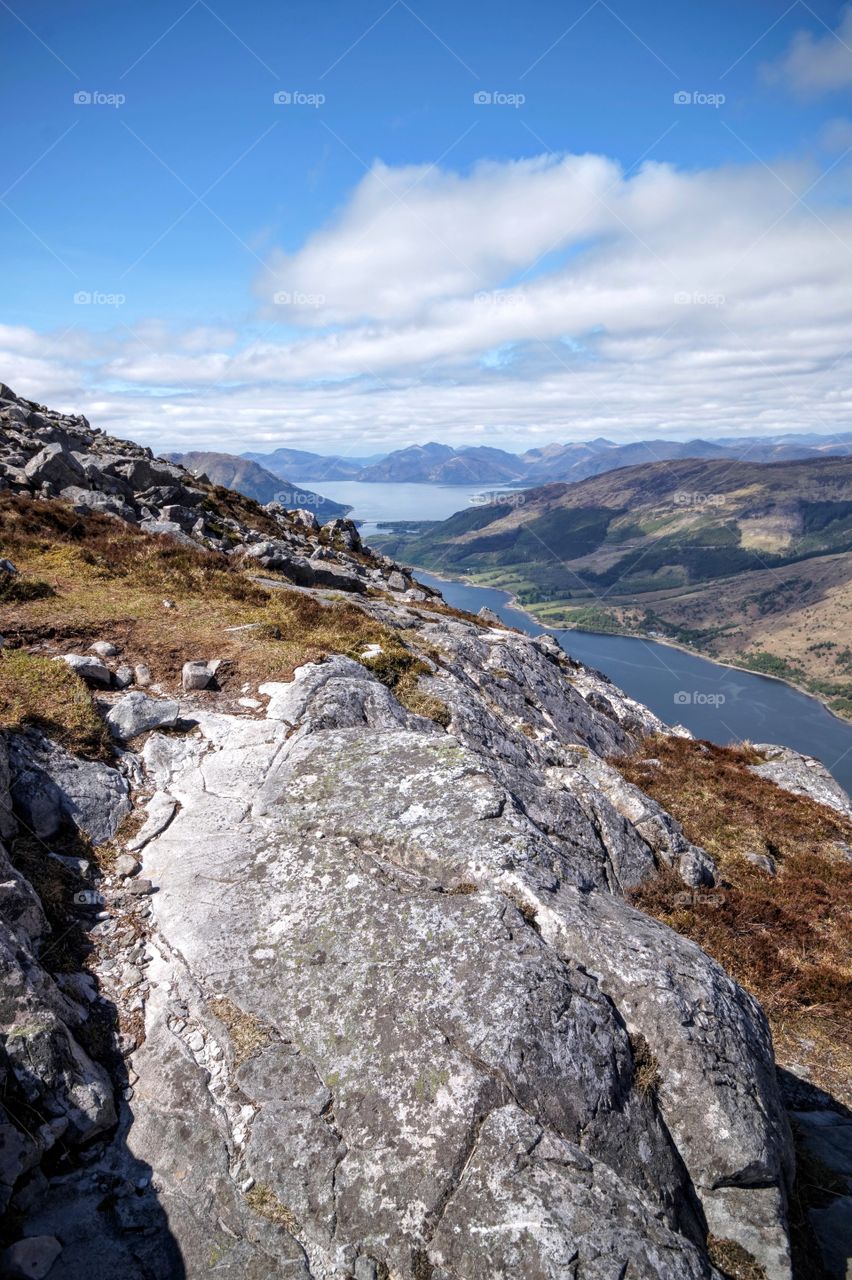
x=547, y=298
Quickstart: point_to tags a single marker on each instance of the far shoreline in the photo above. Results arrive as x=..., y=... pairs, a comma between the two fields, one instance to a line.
x=512, y=603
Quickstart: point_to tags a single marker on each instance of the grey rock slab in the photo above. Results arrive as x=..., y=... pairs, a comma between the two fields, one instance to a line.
x=137, y=713
x=49, y=785
x=803, y=775
x=89, y=667
x=718, y=1092
x=375, y=898
x=54, y=465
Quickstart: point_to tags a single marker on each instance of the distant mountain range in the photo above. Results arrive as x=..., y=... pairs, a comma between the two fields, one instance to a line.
x=254, y=481
x=746, y=561
x=478, y=464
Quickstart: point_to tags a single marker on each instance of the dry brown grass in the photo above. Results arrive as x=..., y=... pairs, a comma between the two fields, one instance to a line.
x=733, y=1261
x=110, y=580
x=786, y=938
x=264, y=1201
x=47, y=695
x=248, y=1033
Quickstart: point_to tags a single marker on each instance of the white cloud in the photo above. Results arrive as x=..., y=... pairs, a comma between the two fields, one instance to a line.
x=817, y=64
x=552, y=298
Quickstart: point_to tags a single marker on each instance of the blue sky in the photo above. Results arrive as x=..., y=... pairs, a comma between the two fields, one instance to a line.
x=399, y=218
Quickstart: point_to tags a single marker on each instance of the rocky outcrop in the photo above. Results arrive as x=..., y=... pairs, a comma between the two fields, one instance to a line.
x=49, y=454
x=377, y=1004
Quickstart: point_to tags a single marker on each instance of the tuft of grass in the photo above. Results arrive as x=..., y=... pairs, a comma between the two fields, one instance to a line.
x=733, y=1261
x=646, y=1068
x=49, y=696
x=248, y=1033
x=400, y=669
x=14, y=588
x=263, y=1200
x=786, y=938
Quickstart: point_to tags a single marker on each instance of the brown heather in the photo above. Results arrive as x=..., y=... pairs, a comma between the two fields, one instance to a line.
x=786, y=938
x=92, y=577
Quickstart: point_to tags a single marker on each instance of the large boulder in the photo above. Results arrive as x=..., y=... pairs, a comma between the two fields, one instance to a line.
x=49, y=786
x=437, y=1052
x=54, y=465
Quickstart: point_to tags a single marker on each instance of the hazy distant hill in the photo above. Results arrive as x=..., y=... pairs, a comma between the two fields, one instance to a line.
x=441, y=464
x=256, y=482
x=298, y=464
x=743, y=560
x=435, y=463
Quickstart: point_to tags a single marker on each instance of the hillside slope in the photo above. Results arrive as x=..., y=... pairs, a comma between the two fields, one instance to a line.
x=742, y=560
x=335, y=925
x=256, y=482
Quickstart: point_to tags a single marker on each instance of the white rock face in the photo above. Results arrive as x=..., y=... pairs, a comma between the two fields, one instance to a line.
x=446, y=995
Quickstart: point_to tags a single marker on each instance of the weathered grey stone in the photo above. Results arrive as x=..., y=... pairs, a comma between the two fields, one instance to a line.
x=123, y=676
x=86, y=500
x=54, y=465
x=803, y=775
x=197, y=675
x=49, y=785
x=89, y=667
x=103, y=648
x=360, y=840
x=137, y=713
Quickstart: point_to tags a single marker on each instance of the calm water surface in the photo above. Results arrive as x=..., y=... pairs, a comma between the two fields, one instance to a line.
x=713, y=701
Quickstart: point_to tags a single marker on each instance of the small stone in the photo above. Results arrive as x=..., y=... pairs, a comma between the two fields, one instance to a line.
x=127, y=865
x=140, y=887
x=137, y=713
x=123, y=676
x=197, y=675
x=142, y=674
x=6, y=566
x=764, y=862
x=103, y=649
